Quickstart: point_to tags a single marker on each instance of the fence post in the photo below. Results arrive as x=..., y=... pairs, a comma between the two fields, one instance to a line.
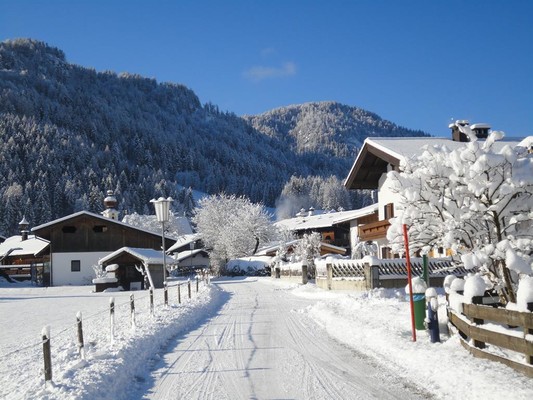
x=132, y=311
x=81, y=348
x=189, y=287
x=45, y=333
x=179, y=293
x=112, y=319
x=478, y=300
x=165, y=291
x=529, y=359
x=329, y=272
x=371, y=275
x=151, y=301
x=197, y=284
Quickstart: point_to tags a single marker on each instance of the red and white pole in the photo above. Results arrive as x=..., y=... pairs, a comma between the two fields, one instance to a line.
x=409, y=280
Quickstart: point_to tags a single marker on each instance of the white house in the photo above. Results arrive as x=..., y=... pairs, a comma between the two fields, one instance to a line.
x=380, y=155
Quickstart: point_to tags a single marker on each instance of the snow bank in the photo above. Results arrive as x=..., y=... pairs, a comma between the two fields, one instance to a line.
x=110, y=369
x=376, y=325
x=474, y=286
x=255, y=265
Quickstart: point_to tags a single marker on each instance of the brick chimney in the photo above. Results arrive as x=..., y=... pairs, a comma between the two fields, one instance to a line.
x=462, y=130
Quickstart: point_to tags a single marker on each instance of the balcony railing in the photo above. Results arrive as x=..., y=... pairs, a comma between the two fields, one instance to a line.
x=374, y=230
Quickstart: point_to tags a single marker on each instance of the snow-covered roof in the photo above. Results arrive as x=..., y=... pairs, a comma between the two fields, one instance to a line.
x=324, y=220
x=406, y=147
x=93, y=215
x=183, y=255
x=184, y=240
x=378, y=152
x=147, y=256
x=33, y=245
x=271, y=248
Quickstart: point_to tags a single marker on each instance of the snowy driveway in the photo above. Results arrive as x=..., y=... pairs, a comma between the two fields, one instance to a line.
x=260, y=345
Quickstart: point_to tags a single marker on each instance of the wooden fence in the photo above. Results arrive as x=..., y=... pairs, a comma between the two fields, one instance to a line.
x=475, y=337
x=389, y=273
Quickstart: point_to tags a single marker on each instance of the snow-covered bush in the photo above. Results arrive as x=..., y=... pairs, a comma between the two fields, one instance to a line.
x=447, y=282
x=475, y=200
x=307, y=249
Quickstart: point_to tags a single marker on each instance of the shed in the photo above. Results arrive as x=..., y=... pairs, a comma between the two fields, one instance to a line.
x=137, y=267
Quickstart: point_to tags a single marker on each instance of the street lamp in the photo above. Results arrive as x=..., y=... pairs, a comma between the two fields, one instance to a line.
x=162, y=207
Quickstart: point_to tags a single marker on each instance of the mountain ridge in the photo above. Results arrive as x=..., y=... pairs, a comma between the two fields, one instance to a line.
x=68, y=134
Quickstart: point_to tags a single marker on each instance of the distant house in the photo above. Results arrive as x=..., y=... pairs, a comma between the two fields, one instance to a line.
x=80, y=240
x=25, y=256
x=325, y=248
x=339, y=228
x=380, y=155
x=189, y=252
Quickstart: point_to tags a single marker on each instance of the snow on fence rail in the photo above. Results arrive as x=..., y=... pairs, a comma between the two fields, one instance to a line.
x=479, y=325
x=91, y=327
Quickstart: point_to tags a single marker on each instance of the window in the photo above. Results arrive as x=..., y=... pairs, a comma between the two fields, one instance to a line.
x=75, y=266
x=389, y=211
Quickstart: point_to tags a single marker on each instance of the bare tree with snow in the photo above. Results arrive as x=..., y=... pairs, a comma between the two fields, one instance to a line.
x=232, y=227
x=475, y=200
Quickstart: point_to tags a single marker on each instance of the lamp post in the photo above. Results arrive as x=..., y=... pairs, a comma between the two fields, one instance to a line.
x=162, y=207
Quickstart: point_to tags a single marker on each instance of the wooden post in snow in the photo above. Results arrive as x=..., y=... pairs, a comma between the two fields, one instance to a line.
x=81, y=348
x=47, y=354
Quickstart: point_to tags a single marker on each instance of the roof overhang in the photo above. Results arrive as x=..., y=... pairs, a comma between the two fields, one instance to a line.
x=370, y=164
x=146, y=256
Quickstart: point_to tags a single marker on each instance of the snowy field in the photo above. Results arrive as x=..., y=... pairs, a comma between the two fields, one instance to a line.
x=376, y=324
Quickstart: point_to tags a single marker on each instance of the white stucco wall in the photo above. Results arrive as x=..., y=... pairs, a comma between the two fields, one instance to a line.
x=354, y=234
x=385, y=196
x=62, y=275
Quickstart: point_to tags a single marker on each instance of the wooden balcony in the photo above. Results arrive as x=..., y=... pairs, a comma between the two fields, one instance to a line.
x=374, y=230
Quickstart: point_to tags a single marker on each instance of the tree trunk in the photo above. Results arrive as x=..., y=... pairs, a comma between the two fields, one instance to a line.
x=509, y=290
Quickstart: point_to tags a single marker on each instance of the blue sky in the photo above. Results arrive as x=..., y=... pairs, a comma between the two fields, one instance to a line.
x=418, y=63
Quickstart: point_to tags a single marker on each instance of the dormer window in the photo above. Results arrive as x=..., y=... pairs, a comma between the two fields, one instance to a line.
x=99, y=228
x=68, y=229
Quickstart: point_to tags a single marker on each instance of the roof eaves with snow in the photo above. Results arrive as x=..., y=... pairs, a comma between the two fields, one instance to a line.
x=33, y=245
x=184, y=240
x=147, y=256
x=188, y=254
x=378, y=152
x=100, y=217
x=325, y=220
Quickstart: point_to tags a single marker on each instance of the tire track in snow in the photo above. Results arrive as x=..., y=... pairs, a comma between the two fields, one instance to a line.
x=259, y=347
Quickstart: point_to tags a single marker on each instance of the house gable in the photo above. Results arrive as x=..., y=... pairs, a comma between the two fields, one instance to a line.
x=370, y=164
x=88, y=232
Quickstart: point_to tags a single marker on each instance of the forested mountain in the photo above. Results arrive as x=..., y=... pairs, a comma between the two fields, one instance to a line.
x=68, y=134
x=334, y=130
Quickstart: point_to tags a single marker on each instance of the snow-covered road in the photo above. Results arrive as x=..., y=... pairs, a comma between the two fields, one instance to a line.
x=260, y=345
